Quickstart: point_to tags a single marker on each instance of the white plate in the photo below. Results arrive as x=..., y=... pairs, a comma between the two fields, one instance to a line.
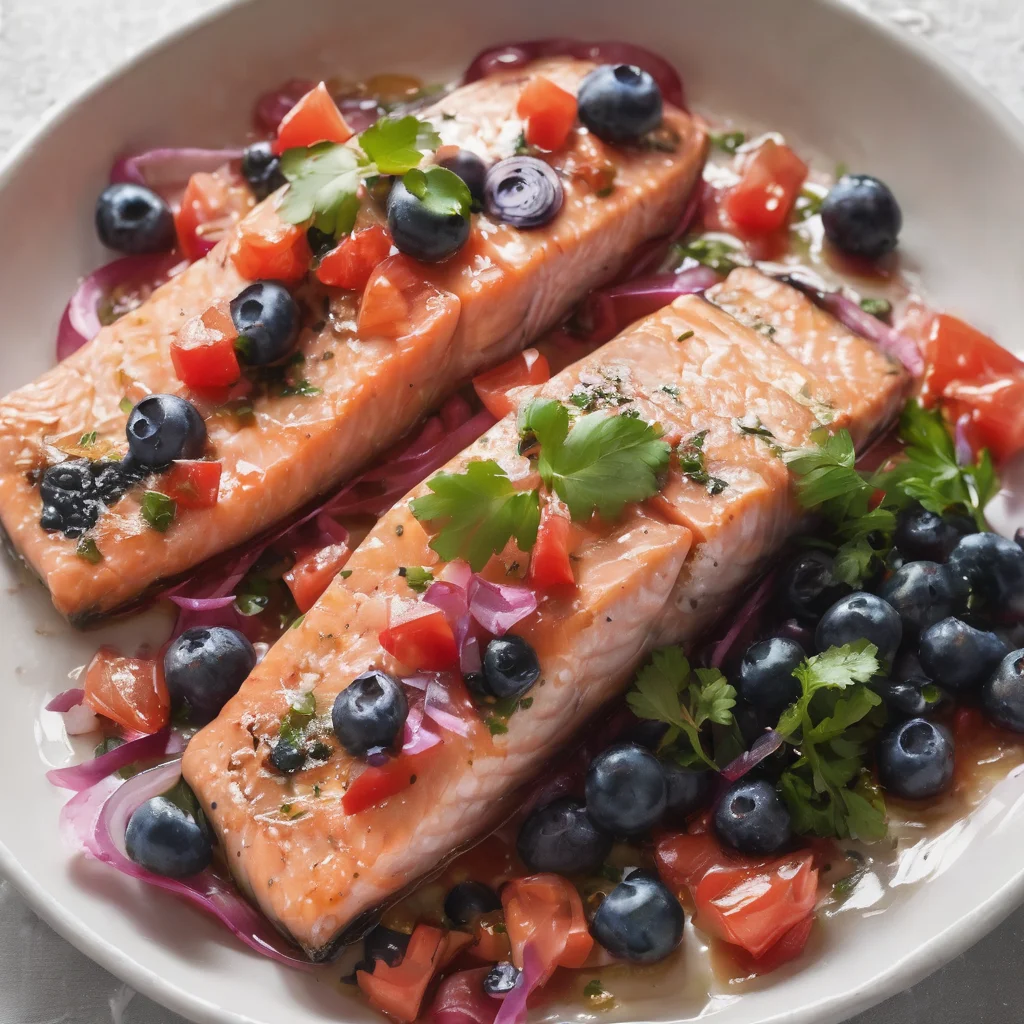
x=816, y=71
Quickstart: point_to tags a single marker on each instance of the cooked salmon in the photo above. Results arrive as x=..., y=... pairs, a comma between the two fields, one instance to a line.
x=361, y=391
x=659, y=574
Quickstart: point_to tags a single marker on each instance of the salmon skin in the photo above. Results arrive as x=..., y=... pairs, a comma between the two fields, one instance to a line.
x=660, y=574
x=487, y=302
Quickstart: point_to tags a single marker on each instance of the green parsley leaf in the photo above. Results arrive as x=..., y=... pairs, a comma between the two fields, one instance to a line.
x=252, y=595
x=324, y=182
x=397, y=144
x=881, y=308
x=710, y=252
x=305, y=703
x=126, y=405
x=300, y=387
x=693, y=465
x=728, y=142
x=88, y=551
x=417, y=577
x=87, y=440
x=666, y=690
x=602, y=464
x=158, y=510
x=441, y=191
x=476, y=512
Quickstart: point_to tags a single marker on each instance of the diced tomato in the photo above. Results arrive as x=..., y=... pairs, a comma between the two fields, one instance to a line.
x=315, y=118
x=995, y=414
x=311, y=575
x=549, y=560
x=492, y=387
x=749, y=903
x=375, y=784
x=203, y=353
x=129, y=691
x=355, y=258
x=192, y=484
x=268, y=247
x=789, y=947
x=419, y=636
x=761, y=201
x=399, y=302
x=546, y=911
x=211, y=205
x=491, y=938
x=549, y=112
x=399, y=991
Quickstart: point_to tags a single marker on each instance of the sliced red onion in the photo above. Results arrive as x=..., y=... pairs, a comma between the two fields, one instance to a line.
x=470, y=658
x=420, y=681
x=79, y=777
x=438, y=708
x=202, y=604
x=499, y=606
x=461, y=999
x=417, y=736
x=650, y=255
x=961, y=438
x=513, y=1006
x=749, y=611
x=514, y=55
x=168, y=169
x=331, y=531
x=640, y=297
x=95, y=821
x=764, y=746
x=457, y=572
x=450, y=598
x=80, y=322
x=376, y=757
x=66, y=700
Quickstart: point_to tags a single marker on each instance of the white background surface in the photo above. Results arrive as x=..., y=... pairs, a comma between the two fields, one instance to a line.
x=49, y=48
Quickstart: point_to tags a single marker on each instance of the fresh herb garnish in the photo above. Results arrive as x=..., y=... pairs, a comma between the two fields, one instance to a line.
x=881, y=308
x=324, y=182
x=807, y=205
x=601, y=464
x=596, y=994
x=252, y=595
x=88, y=551
x=87, y=440
x=728, y=142
x=828, y=789
x=711, y=252
x=693, y=464
x=126, y=405
x=158, y=510
x=502, y=710
x=300, y=387
x=685, y=336
x=667, y=690
x=397, y=144
x=477, y=512
x=439, y=190
x=418, y=577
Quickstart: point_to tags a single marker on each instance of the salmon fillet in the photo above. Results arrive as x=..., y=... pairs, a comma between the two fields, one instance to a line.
x=498, y=293
x=659, y=575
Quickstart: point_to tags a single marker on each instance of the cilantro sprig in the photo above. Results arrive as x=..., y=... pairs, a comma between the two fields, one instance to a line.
x=693, y=463
x=668, y=690
x=828, y=789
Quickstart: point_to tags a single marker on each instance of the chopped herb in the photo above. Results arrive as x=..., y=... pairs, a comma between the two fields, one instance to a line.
x=158, y=510
x=693, y=464
x=495, y=726
x=297, y=621
x=845, y=886
x=418, y=577
x=316, y=790
x=290, y=812
x=345, y=573
x=667, y=690
x=601, y=464
x=300, y=387
x=833, y=724
x=87, y=440
x=728, y=142
x=881, y=308
x=397, y=144
x=502, y=710
x=685, y=336
x=589, y=397
x=720, y=256
x=752, y=425
x=671, y=390
x=522, y=147
x=596, y=994
x=477, y=512
x=126, y=405
x=243, y=346
x=807, y=205
x=252, y=595
x=88, y=551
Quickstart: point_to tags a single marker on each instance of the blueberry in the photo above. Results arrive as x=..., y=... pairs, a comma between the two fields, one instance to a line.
x=560, y=837
x=994, y=569
x=1002, y=695
x=958, y=656
x=861, y=616
x=267, y=320
x=915, y=759
x=501, y=979
x=510, y=666
x=861, y=216
x=765, y=676
x=752, y=818
x=70, y=501
x=688, y=790
x=205, y=666
x=134, y=220
x=385, y=944
x=466, y=901
x=114, y=478
x=809, y=586
x=162, y=428
x=471, y=169
x=625, y=790
x=646, y=732
x=166, y=840
x=522, y=191
x=922, y=593
x=619, y=102
x=925, y=536
x=261, y=168
x=905, y=698
x=421, y=231
x=639, y=920
x=287, y=758
x=369, y=712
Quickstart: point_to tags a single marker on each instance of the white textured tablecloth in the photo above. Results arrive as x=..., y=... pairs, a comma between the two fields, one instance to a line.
x=47, y=49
